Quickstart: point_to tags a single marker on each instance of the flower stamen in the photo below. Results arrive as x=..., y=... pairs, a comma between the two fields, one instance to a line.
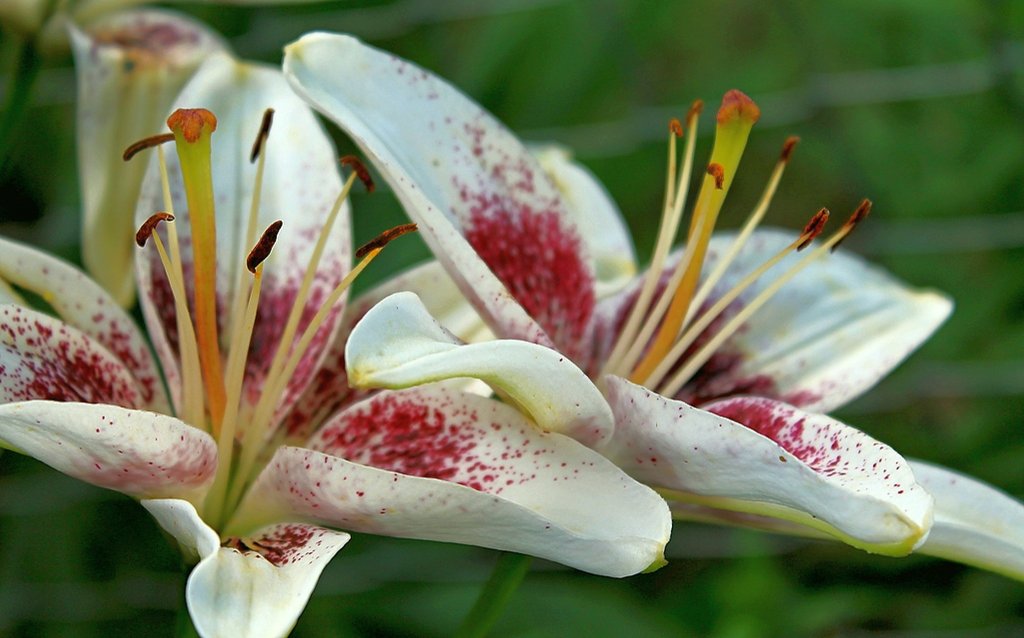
x=707, y=350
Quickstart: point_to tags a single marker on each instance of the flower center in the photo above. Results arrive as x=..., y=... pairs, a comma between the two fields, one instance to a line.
x=212, y=395
x=656, y=347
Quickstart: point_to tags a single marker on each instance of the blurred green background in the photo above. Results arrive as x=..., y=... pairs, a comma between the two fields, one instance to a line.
x=918, y=105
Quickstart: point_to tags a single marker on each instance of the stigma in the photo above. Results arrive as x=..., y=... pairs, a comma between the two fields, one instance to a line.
x=658, y=344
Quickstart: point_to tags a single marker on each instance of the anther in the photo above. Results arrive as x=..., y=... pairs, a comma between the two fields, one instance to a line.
x=191, y=122
x=716, y=171
x=360, y=170
x=813, y=228
x=676, y=127
x=787, y=148
x=384, y=239
x=148, y=226
x=261, y=137
x=143, y=144
x=261, y=250
x=862, y=211
x=695, y=110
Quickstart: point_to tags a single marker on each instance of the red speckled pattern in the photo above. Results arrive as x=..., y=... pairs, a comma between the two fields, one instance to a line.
x=42, y=358
x=139, y=453
x=288, y=543
x=825, y=445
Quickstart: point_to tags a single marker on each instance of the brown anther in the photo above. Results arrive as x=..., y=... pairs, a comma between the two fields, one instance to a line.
x=261, y=250
x=787, y=148
x=736, y=104
x=143, y=144
x=715, y=170
x=261, y=137
x=675, y=127
x=191, y=122
x=356, y=165
x=695, y=109
x=862, y=211
x=383, y=239
x=813, y=228
x=148, y=226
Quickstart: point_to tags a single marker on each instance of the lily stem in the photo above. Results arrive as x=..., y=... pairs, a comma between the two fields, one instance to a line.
x=19, y=92
x=505, y=579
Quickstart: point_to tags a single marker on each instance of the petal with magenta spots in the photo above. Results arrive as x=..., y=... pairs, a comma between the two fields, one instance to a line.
x=763, y=457
x=398, y=344
x=436, y=464
x=482, y=202
x=142, y=454
x=43, y=358
x=83, y=304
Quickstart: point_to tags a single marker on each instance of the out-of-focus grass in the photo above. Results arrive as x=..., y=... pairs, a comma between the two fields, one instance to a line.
x=918, y=106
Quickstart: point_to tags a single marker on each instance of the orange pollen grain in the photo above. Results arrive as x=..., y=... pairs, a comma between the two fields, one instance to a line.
x=676, y=127
x=787, y=148
x=813, y=228
x=695, y=110
x=736, y=104
x=191, y=123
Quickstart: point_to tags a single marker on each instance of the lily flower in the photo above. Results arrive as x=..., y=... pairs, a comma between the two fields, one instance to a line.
x=717, y=362
x=254, y=459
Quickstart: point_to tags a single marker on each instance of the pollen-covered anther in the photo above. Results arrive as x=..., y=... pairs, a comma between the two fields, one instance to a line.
x=261, y=250
x=737, y=105
x=261, y=136
x=695, y=110
x=788, y=147
x=813, y=228
x=676, y=127
x=360, y=170
x=715, y=170
x=384, y=239
x=861, y=212
x=191, y=123
x=148, y=226
x=148, y=142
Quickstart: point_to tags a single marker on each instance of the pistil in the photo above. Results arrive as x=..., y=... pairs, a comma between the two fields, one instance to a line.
x=192, y=130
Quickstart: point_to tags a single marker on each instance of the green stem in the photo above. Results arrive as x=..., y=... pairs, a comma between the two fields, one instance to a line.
x=508, y=573
x=19, y=93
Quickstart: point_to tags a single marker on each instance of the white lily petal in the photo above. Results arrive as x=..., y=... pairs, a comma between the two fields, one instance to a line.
x=398, y=344
x=179, y=518
x=300, y=186
x=435, y=464
x=974, y=522
x=83, y=304
x=764, y=457
x=43, y=358
x=829, y=334
x=260, y=589
x=330, y=390
x=142, y=454
x=130, y=65
x=253, y=586
x=482, y=202
x=597, y=216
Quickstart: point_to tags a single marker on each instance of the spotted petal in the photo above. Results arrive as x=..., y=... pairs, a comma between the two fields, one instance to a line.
x=84, y=305
x=130, y=65
x=829, y=334
x=43, y=358
x=475, y=191
x=974, y=523
x=300, y=185
x=763, y=457
x=435, y=464
x=597, y=216
x=142, y=454
x=398, y=344
x=256, y=586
